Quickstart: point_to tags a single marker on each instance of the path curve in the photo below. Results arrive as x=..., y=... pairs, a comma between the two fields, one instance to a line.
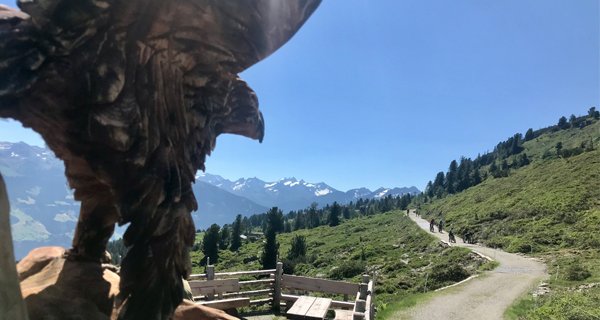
x=485, y=297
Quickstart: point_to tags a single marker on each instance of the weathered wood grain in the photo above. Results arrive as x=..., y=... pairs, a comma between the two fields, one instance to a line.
x=132, y=95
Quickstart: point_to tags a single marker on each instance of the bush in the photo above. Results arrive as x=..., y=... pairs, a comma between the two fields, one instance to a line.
x=519, y=245
x=576, y=272
x=447, y=273
x=568, y=306
x=347, y=270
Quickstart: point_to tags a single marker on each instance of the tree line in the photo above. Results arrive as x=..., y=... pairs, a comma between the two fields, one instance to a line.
x=275, y=222
x=507, y=155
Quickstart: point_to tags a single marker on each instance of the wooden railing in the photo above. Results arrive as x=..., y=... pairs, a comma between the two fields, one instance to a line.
x=225, y=290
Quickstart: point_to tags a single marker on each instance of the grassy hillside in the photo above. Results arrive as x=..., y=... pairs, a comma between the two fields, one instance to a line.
x=388, y=244
x=549, y=209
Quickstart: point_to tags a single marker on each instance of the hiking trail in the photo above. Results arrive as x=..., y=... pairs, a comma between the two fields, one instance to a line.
x=485, y=297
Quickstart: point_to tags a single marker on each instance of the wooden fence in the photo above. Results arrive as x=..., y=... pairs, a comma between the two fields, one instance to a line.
x=227, y=290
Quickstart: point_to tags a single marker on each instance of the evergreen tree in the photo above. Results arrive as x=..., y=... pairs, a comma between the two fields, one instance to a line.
x=516, y=144
x=562, y=123
x=558, y=148
x=529, y=134
x=274, y=225
x=476, y=177
x=210, y=243
x=593, y=113
x=523, y=160
x=334, y=215
x=270, y=250
x=117, y=251
x=299, y=221
x=572, y=121
x=429, y=189
x=298, y=249
x=451, y=177
x=236, y=241
x=346, y=212
x=504, y=166
x=494, y=170
x=287, y=226
x=224, y=237
x=313, y=216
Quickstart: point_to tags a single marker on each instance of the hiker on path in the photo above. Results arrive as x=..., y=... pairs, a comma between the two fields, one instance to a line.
x=451, y=237
x=441, y=226
x=467, y=237
x=431, y=224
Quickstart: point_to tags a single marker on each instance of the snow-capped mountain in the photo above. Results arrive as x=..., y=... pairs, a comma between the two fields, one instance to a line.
x=44, y=211
x=292, y=194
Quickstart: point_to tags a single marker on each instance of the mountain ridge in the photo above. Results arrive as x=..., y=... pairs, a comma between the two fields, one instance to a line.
x=293, y=194
x=44, y=211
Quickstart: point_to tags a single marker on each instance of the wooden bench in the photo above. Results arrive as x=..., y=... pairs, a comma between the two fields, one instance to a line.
x=309, y=308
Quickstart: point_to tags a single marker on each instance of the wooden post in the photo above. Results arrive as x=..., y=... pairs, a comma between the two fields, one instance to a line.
x=360, y=305
x=362, y=289
x=358, y=316
x=210, y=275
x=277, y=287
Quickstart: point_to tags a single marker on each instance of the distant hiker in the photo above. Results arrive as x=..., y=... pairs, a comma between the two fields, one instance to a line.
x=441, y=226
x=407, y=212
x=468, y=237
x=431, y=224
x=451, y=237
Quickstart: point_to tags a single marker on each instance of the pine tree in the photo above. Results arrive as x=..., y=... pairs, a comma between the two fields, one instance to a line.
x=572, y=121
x=346, y=212
x=494, y=170
x=334, y=215
x=523, y=160
x=529, y=134
x=275, y=220
x=562, y=123
x=274, y=225
x=236, y=241
x=210, y=243
x=287, y=226
x=451, y=177
x=224, y=237
x=298, y=249
x=313, y=216
x=592, y=113
x=270, y=250
x=299, y=221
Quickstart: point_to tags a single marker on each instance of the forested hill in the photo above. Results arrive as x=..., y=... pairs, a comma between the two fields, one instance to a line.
x=538, y=194
x=548, y=173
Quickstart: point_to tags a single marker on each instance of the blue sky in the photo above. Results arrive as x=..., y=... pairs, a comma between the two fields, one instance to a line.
x=387, y=93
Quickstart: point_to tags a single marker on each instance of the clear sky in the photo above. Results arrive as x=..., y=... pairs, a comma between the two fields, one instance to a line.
x=387, y=93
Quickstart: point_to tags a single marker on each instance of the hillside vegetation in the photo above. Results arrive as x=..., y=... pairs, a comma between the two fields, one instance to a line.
x=550, y=209
x=404, y=258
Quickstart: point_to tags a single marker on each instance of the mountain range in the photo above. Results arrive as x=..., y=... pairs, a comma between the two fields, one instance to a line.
x=44, y=211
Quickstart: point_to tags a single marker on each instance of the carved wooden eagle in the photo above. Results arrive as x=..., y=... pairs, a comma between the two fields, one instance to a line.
x=131, y=95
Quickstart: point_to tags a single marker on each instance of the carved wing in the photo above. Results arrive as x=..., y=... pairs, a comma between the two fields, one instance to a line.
x=132, y=95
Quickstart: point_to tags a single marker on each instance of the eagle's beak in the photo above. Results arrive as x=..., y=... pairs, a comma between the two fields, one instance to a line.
x=244, y=119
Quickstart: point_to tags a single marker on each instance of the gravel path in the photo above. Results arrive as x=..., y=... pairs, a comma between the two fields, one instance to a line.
x=484, y=297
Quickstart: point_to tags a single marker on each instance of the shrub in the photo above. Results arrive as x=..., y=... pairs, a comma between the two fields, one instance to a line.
x=347, y=270
x=519, y=245
x=446, y=273
x=576, y=272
